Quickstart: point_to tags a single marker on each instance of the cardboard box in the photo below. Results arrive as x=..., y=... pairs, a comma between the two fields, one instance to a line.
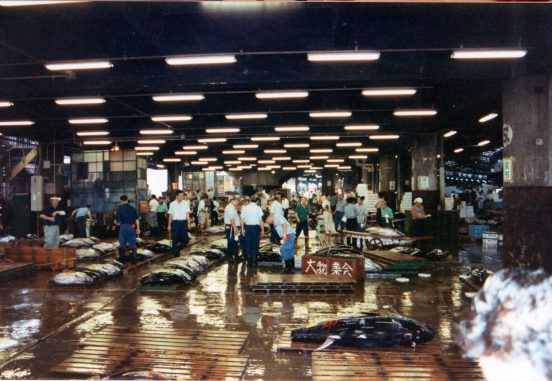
x=333, y=266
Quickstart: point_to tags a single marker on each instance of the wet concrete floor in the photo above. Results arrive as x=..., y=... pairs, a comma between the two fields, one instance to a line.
x=41, y=324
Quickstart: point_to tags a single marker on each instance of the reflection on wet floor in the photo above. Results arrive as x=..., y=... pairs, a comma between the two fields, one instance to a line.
x=220, y=299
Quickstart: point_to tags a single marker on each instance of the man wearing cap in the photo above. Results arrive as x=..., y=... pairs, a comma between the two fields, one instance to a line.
x=252, y=228
x=287, y=251
x=51, y=215
x=231, y=223
x=129, y=228
x=418, y=216
x=179, y=215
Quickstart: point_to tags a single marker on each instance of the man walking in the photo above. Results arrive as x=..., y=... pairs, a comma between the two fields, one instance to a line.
x=179, y=215
x=129, y=228
x=51, y=215
x=302, y=216
x=252, y=228
x=231, y=223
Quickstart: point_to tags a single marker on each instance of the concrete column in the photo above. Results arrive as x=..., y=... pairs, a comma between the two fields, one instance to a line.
x=328, y=181
x=173, y=171
x=51, y=159
x=425, y=170
x=387, y=173
x=527, y=118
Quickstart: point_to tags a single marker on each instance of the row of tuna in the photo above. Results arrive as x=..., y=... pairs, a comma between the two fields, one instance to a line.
x=89, y=274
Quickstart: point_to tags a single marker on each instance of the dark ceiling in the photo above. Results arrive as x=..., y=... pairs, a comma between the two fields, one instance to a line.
x=270, y=41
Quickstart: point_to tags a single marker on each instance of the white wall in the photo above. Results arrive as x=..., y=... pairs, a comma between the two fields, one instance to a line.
x=157, y=181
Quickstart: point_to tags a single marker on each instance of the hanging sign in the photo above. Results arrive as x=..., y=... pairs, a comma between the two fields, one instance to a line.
x=391, y=185
x=423, y=182
x=507, y=170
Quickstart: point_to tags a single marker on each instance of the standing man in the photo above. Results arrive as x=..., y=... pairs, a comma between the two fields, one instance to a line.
x=179, y=215
x=81, y=215
x=231, y=223
x=215, y=205
x=285, y=206
x=129, y=220
x=252, y=228
x=162, y=215
x=211, y=193
x=339, y=213
x=275, y=209
x=287, y=250
x=329, y=227
x=51, y=215
x=302, y=216
x=351, y=223
x=362, y=213
x=152, y=215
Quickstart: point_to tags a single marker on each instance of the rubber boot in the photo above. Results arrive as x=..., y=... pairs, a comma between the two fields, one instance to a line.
x=122, y=257
x=291, y=266
x=307, y=245
x=254, y=262
x=133, y=256
x=176, y=253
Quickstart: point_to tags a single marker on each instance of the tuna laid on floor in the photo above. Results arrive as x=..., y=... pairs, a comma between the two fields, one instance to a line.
x=209, y=253
x=72, y=278
x=165, y=277
x=372, y=330
x=87, y=253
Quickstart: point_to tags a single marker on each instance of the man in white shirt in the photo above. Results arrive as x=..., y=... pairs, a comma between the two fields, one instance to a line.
x=231, y=225
x=211, y=193
x=179, y=216
x=285, y=206
x=287, y=250
x=361, y=212
x=327, y=215
x=152, y=215
x=275, y=209
x=252, y=229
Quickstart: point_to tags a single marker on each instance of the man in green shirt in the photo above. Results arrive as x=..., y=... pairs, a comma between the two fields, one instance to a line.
x=302, y=216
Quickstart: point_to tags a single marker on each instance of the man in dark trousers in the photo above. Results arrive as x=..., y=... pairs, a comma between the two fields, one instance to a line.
x=231, y=227
x=179, y=215
x=302, y=216
x=252, y=229
x=129, y=228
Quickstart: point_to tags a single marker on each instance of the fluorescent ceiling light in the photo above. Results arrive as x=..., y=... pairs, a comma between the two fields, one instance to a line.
x=325, y=137
x=299, y=161
x=146, y=148
x=144, y=153
x=289, y=168
x=281, y=158
x=274, y=151
x=96, y=142
x=26, y=3
x=350, y=144
x=450, y=133
x=246, y=116
x=344, y=167
x=419, y=112
x=263, y=169
x=15, y=123
x=208, y=159
x=319, y=157
x=330, y=114
x=488, y=117
x=481, y=54
x=79, y=101
x=178, y=97
x=245, y=146
x=88, y=121
x=384, y=137
x=195, y=147
x=172, y=160
x=185, y=153
x=362, y=127
x=234, y=169
x=458, y=150
x=233, y=152
x=200, y=163
x=215, y=167
x=233, y=162
x=281, y=94
x=303, y=166
x=160, y=131
x=483, y=143
x=160, y=166
x=310, y=171
x=388, y=92
x=92, y=133
x=321, y=150
x=265, y=138
x=331, y=165
x=347, y=56
x=274, y=166
x=247, y=158
x=6, y=104
x=365, y=150
x=215, y=59
x=266, y=161
x=292, y=128
x=297, y=145
x=171, y=118
x=336, y=160
x=222, y=130
x=354, y=157
x=151, y=141
x=212, y=140
x=245, y=167
x=83, y=65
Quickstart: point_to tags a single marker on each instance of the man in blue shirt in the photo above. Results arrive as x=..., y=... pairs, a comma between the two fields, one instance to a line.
x=51, y=215
x=81, y=215
x=128, y=219
x=339, y=213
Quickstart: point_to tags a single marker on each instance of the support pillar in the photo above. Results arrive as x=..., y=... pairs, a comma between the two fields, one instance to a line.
x=527, y=118
x=388, y=179
x=173, y=171
x=51, y=161
x=424, y=170
x=328, y=181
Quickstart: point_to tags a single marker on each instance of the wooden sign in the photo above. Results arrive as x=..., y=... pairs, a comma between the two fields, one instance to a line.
x=333, y=266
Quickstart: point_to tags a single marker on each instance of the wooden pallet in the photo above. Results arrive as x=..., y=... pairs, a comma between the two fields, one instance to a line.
x=10, y=270
x=101, y=361
x=300, y=283
x=187, y=340
x=381, y=365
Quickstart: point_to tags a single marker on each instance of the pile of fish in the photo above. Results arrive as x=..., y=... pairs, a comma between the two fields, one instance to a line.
x=177, y=271
x=215, y=229
x=65, y=237
x=7, y=238
x=87, y=253
x=105, y=247
x=80, y=242
x=162, y=246
x=477, y=276
x=269, y=253
x=385, y=232
x=89, y=274
x=372, y=330
x=220, y=244
x=144, y=254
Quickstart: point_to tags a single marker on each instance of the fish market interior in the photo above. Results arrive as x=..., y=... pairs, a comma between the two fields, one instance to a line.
x=268, y=190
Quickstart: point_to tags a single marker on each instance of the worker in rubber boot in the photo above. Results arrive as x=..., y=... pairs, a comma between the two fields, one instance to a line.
x=179, y=215
x=129, y=228
x=231, y=224
x=287, y=250
x=302, y=216
x=252, y=229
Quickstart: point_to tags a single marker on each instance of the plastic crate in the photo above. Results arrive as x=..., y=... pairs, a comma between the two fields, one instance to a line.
x=476, y=231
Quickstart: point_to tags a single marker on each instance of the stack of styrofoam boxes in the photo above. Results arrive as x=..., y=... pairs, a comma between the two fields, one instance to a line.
x=490, y=239
x=406, y=202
